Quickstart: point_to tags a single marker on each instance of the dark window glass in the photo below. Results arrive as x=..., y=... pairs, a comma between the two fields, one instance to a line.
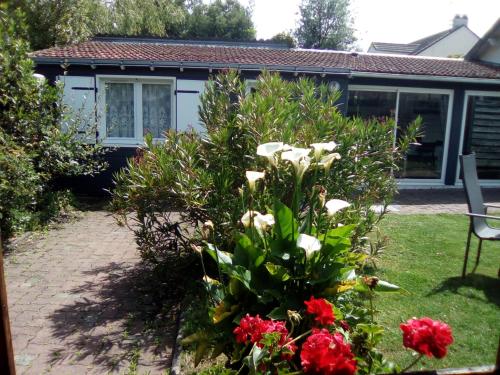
x=482, y=134
x=367, y=104
x=426, y=159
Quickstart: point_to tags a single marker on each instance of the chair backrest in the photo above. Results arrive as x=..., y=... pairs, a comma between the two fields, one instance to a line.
x=472, y=188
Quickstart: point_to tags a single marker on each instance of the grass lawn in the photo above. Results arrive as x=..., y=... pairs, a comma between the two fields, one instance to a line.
x=424, y=255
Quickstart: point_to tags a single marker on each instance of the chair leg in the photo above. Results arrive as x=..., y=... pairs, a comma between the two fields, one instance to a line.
x=467, y=251
x=478, y=253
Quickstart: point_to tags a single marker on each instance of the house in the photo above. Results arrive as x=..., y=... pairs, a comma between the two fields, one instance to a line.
x=454, y=42
x=150, y=85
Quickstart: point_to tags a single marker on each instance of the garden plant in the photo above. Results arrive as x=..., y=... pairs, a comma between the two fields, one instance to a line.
x=263, y=310
x=39, y=137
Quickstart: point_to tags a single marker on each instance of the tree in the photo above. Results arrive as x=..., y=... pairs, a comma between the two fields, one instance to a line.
x=162, y=18
x=325, y=24
x=224, y=19
x=63, y=21
x=285, y=38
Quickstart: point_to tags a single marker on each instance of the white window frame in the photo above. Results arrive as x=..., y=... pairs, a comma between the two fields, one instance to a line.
x=408, y=182
x=469, y=93
x=102, y=80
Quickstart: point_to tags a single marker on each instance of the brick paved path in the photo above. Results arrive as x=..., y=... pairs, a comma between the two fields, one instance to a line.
x=433, y=201
x=74, y=294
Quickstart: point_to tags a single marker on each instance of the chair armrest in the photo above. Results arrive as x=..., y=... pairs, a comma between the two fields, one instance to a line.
x=483, y=216
x=492, y=205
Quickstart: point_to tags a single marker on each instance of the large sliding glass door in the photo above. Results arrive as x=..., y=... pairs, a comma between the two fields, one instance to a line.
x=482, y=132
x=425, y=161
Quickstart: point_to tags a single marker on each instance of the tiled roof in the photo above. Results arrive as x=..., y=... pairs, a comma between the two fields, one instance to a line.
x=158, y=52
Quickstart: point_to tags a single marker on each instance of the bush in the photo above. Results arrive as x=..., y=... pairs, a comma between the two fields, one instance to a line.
x=42, y=133
x=200, y=176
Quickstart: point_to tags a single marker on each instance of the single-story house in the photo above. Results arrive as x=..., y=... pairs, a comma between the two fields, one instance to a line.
x=454, y=42
x=149, y=85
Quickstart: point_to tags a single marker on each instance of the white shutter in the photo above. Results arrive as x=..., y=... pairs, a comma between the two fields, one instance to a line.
x=188, y=100
x=79, y=96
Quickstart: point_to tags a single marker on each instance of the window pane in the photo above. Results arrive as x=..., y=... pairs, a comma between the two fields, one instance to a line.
x=120, y=110
x=482, y=134
x=156, y=109
x=366, y=104
x=426, y=159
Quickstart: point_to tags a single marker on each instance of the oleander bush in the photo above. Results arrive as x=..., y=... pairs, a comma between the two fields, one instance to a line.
x=39, y=138
x=200, y=175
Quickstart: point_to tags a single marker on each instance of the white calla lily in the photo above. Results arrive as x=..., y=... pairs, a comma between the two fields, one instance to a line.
x=260, y=222
x=335, y=205
x=319, y=148
x=268, y=150
x=246, y=219
x=327, y=160
x=310, y=244
x=299, y=157
x=252, y=177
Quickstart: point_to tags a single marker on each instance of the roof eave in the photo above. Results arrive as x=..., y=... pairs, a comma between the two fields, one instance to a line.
x=423, y=77
x=189, y=65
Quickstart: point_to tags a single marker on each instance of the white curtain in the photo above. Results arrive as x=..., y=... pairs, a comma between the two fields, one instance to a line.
x=156, y=109
x=120, y=110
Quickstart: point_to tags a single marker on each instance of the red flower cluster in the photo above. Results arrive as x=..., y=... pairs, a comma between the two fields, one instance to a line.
x=322, y=309
x=427, y=336
x=325, y=353
x=252, y=329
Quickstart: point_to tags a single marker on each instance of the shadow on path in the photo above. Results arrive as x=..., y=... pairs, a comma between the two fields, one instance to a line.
x=115, y=320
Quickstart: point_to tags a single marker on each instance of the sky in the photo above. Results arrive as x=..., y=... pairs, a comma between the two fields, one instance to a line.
x=396, y=21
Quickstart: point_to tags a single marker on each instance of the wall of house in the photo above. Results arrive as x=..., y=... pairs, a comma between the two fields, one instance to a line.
x=492, y=54
x=82, y=93
x=457, y=43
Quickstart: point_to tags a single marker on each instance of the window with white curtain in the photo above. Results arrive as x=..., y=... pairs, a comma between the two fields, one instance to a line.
x=133, y=107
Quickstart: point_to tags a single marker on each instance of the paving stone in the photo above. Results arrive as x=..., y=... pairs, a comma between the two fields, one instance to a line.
x=70, y=295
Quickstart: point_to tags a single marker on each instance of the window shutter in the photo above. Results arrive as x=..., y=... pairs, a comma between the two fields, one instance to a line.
x=79, y=97
x=188, y=100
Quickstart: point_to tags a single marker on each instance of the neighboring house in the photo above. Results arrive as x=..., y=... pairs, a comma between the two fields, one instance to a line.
x=487, y=49
x=151, y=85
x=455, y=42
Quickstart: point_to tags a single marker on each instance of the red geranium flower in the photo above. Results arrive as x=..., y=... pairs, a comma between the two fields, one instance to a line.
x=322, y=309
x=427, y=336
x=288, y=351
x=252, y=329
x=326, y=354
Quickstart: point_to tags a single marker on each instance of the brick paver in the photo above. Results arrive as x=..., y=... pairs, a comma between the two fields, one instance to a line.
x=433, y=201
x=74, y=296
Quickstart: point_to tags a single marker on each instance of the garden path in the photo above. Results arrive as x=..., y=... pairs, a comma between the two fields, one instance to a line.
x=435, y=201
x=74, y=297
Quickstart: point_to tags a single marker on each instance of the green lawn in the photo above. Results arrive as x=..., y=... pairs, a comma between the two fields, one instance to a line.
x=424, y=255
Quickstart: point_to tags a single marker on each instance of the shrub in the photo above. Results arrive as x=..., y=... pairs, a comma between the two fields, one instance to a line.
x=40, y=130
x=200, y=175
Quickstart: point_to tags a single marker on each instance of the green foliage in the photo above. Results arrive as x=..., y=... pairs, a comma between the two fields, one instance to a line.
x=62, y=22
x=285, y=38
x=201, y=177
x=225, y=19
x=325, y=24
x=31, y=121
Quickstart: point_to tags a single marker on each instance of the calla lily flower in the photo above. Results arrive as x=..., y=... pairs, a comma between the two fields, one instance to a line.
x=327, y=160
x=252, y=177
x=319, y=148
x=268, y=150
x=299, y=159
x=260, y=222
x=310, y=244
x=335, y=205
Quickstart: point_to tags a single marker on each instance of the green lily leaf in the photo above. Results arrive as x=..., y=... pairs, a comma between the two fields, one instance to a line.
x=278, y=313
x=285, y=225
x=225, y=259
x=277, y=271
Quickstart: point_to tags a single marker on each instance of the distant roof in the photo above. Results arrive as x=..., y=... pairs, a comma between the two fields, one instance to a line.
x=190, y=54
x=483, y=43
x=414, y=48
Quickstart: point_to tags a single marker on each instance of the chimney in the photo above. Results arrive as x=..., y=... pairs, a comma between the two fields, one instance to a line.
x=460, y=21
